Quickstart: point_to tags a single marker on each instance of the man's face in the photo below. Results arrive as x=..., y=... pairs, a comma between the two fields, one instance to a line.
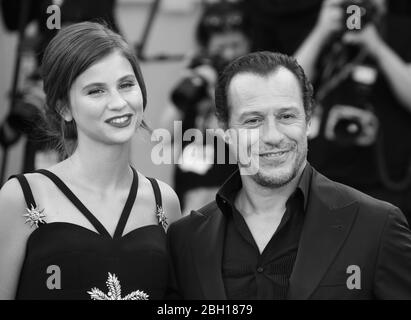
x=271, y=106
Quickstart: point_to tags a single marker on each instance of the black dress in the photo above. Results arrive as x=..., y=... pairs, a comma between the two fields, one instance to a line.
x=67, y=261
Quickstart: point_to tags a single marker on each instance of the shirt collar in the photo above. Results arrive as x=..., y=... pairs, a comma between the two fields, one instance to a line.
x=226, y=194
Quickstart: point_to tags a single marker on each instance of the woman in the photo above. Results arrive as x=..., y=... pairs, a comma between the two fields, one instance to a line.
x=94, y=225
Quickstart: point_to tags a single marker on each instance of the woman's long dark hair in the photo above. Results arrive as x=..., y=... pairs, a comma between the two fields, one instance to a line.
x=72, y=51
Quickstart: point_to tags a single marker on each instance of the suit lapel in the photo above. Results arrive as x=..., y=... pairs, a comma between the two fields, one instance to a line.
x=324, y=232
x=207, y=249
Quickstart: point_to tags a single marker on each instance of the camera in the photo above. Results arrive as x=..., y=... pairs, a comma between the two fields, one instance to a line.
x=20, y=120
x=351, y=126
x=369, y=10
x=194, y=87
x=26, y=112
x=360, y=126
x=348, y=130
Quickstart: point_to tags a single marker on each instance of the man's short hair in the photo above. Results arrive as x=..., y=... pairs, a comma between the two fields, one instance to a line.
x=262, y=63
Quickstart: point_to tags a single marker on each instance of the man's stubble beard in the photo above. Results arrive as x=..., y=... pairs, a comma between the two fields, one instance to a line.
x=274, y=182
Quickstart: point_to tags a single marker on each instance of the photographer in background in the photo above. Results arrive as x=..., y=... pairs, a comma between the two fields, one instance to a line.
x=72, y=11
x=360, y=134
x=222, y=36
x=280, y=25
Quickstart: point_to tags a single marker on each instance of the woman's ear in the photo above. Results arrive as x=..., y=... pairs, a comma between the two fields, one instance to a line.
x=64, y=111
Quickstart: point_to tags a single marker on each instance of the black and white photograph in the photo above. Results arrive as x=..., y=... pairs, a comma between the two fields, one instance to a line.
x=212, y=157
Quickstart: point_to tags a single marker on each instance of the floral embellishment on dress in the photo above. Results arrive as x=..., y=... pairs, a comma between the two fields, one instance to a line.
x=114, y=291
x=34, y=216
x=161, y=216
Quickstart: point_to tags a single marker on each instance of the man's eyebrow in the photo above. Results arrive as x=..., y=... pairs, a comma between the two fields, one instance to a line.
x=289, y=108
x=258, y=113
x=249, y=114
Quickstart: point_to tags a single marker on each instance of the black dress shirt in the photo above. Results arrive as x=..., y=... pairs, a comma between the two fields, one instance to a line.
x=247, y=274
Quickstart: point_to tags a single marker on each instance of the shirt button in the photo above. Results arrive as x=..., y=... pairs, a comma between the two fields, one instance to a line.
x=260, y=269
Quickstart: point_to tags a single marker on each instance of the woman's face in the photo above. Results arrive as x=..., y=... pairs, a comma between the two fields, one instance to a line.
x=106, y=101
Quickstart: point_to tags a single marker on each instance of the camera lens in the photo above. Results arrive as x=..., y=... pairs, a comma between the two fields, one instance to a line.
x=189, y=91
x=347, y=131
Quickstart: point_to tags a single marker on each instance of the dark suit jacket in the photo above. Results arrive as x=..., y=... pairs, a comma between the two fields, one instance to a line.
x=342, y=227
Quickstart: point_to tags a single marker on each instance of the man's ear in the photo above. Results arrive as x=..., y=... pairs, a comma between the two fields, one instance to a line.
x=64, y=111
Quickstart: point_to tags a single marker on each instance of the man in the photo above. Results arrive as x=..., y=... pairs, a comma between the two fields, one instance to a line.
x=286, y=231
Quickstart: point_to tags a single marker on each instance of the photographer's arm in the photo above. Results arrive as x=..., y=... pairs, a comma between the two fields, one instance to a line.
x=396, y=71
x=398, y=74
x=328, y=23
x=309, y=51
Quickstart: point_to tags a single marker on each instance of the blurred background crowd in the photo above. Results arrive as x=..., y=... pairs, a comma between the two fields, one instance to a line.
x=360, y=133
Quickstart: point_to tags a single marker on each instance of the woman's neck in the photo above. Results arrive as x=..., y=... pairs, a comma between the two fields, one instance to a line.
x=101, y=167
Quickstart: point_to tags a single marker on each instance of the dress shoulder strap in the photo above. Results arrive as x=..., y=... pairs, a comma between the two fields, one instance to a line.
x=34, y=215
x=161, y=217
x=28, y=194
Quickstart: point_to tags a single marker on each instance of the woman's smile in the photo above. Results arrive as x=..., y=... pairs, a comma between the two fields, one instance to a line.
x=121, y=121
